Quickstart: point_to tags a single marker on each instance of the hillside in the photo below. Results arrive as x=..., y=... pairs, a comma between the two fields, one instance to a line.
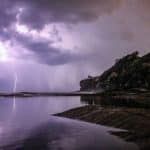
x=129, y=72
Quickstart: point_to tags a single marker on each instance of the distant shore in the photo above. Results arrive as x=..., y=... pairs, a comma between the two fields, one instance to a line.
x=130, y=97
x=36, y=94
x=123, y=94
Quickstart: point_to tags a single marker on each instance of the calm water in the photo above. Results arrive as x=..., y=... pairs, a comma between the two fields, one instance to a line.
x=27, y=123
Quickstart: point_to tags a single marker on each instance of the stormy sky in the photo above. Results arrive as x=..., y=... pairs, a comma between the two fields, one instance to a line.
x=49, y=45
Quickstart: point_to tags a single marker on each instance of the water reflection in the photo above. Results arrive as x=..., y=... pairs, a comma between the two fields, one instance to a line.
x=20, y=115
x=112, y=101
x=14, y=103
x=66, y=134
x=26, y=124
x=38, y=107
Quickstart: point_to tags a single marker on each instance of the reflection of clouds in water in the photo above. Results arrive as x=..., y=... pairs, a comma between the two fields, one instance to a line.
x=29, y=113
x=66, y=134
x=32, y=122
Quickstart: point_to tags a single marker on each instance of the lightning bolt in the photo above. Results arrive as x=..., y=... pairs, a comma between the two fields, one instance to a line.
x=14, y=90
x=15, y=82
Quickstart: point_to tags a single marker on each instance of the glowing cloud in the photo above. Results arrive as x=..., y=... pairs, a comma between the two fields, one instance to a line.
x=3, y=53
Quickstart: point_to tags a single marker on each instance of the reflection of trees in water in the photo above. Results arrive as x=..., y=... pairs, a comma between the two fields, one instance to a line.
x=108, y=100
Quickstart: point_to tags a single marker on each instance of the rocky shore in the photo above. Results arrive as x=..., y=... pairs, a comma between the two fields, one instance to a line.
x=129, y=72
x=123, y=101
x=135, y=120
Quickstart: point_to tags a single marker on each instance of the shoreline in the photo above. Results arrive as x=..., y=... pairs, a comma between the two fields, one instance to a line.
x=36, y=94
x=116, y=98
x=135, y=120
x=132, y=94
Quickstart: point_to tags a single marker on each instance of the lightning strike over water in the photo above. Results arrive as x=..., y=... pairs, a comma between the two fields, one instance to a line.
x=14, y=90
x=15, y=82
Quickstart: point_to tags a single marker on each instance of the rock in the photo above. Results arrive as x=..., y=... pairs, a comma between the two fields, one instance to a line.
x=129, y=72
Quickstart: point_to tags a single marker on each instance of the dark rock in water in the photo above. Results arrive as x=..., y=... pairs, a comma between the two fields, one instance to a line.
x=129, y=72
x=129, y=101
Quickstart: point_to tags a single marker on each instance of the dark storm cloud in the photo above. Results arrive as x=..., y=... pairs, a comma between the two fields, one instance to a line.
x=43, y=52
x=35, y=14
x=38, y=13
x=101, y=31
x=7, y=13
